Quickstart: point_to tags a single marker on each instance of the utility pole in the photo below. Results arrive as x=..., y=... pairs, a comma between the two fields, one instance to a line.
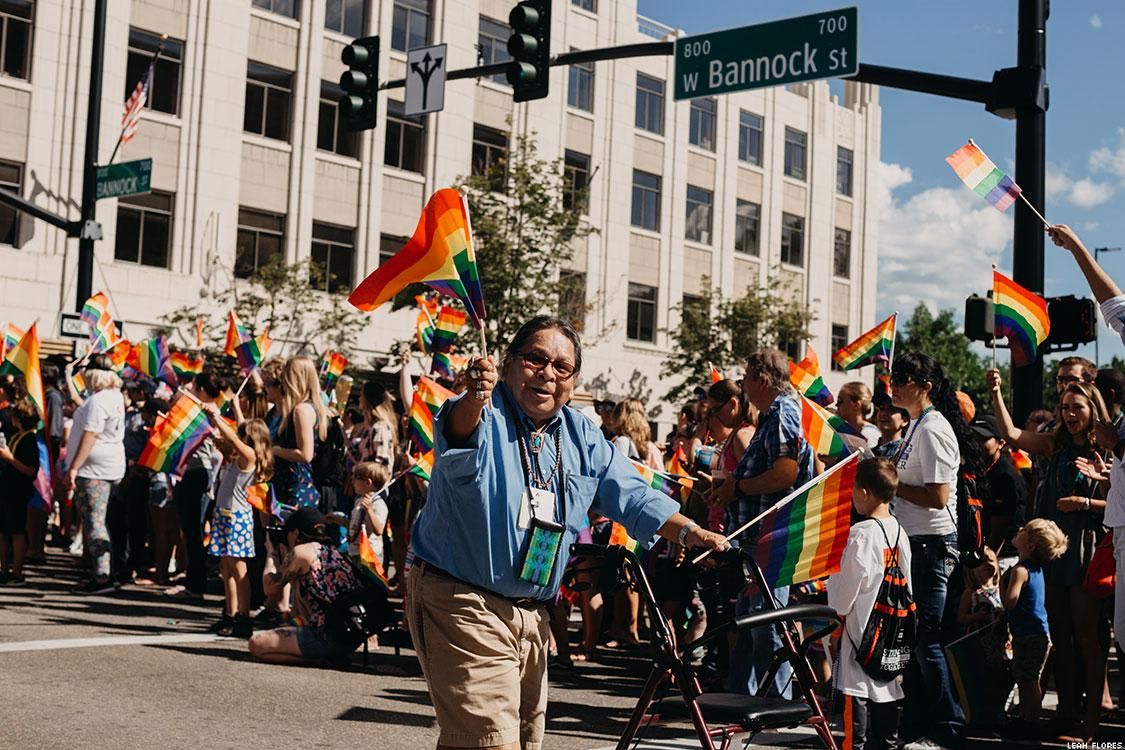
x=90, y=231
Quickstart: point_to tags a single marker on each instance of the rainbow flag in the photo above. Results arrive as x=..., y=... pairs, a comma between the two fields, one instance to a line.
x=186, y=364
x=823, y=439
x=1021, y=460
x=983, y=177
x=423, y=333
x=427, y=301
x=875, y=345
x=433, y=394
x=237, y=333
x=439, y=254
x=805, y=538
x=805, y=377
x=12, y=336
x=1020, y=315
x=120, y=354
x=94, y=309
x=175, y=435
x=41, y=496
x=332, y=367
x=885, y=384
x=251, y=353
x=151, y=358
x=448, y=365
x=421, y=426
x=618, y=535
x=369, y=564
x=676, y=463
x=423, y=466
x=260, y=497
x=449, y=323
x=79, y=382
x=104, y=336
x=199, y=333
x=24, y=357
x=678, y=488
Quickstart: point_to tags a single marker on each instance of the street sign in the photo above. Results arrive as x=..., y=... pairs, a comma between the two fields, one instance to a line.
x=72, y=326
x=425, y=80
x=823, y=45
x=127, y=178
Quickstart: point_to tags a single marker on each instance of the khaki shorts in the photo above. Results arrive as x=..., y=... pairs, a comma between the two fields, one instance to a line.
x=484, y=658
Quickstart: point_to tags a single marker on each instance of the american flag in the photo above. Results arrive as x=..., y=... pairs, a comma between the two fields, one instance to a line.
x=134, y=106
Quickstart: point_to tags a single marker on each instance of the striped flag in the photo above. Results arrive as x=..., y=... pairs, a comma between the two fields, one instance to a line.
x=449, y=323
x=423, y=466
x=423, y=333
x=1021, y=316
x=678, y=488
x=369, y=563
x=237, y=333
x=823, y=439
x=251, y=353
x=876, y=345
x=24, y=358
x=421, y=427
x=186, y=364
x=618, y=535
x=12, y=336
x=805, y=377
x=332, y=367
x=135, y=105
x=151, y=358
x=448, y=365
x=94, y=308
x=983, y=177
x=175, y=435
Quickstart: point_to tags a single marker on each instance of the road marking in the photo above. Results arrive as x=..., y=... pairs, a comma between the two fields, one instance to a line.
x=109, y=640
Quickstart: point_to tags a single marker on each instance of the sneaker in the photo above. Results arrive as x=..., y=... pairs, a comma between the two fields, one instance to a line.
x=222, y=626
x=242, y=627
x=94, y=586
x=183, y=592
x=267, y=619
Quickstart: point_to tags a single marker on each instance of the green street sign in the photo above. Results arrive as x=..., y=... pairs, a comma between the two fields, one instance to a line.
x=127, y=178
x=823, y=45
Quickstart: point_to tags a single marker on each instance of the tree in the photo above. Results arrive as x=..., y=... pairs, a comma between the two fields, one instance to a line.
x=722, y=332
x=526, y=217
x=943, y=340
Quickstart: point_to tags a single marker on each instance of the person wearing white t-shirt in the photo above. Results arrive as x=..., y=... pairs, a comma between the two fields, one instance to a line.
x=872, y=704
x=96, y=463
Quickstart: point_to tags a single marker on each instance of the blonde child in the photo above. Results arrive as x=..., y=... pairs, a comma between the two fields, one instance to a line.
x=249, y=461
x=1023, y=593
x=370, y=510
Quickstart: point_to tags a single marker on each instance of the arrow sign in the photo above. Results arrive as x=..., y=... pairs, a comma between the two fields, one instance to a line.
x=425, y=80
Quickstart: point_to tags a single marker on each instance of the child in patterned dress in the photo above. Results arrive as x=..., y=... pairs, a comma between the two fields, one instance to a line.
x=248, y=462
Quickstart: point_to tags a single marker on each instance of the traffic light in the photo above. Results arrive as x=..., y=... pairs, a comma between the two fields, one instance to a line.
x=1073, y=320
x=979, y=318
x=530, y=48
x=360, y=83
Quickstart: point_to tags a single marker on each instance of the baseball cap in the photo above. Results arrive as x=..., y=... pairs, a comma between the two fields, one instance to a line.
x=308, y=521
x=986, y=427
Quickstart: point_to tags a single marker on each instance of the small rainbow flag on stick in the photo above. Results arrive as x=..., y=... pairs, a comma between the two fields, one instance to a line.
x=805, y=538
x=12, y=336
x=423, y=466
x=237, y=333
x=175, y=435
x=618, y=535
x=94, y=308
x=983, y=177
x=448, y=365
x=433, y=394
x=24, y=357
x=104, y=337
x=423, y=333
x=805, y=377
x=449, y=323
x=332, y=367
x=876, y=345
x=120, y=354
x=823, y=439
x=1021, y=316
x=151, y=358
x=421, y=427
x=251, y=353
x=186, y=364
x=369, y=564
x=676, y=487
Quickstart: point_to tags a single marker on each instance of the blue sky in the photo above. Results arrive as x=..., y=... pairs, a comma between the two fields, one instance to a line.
x=938, y=240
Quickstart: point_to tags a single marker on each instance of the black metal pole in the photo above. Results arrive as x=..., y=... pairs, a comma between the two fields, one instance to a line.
x=1031, y=155
x=93, y=121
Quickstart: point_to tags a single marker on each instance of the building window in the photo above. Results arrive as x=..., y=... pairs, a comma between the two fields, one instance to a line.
x=15, y=38
x=792, y=239
x=646, y=200
x=640, y=322
x=332, y=133
x=590, y=5
x=839, y=341
x=164, y=88
x=492, y=46
x=144, y=229
x=701, y=131
x=650, y=104
x=576, y=182
x=572, y=298
x=287, y=8
x=580, y=86
x=749, y=138
x=490, y=155
x=345, y=16
x=333, y=258
x=747, y=220
x=261, y=240
x=406, y=139
x=842, y=254
x=11, y=179
x=268, y=95
x=697, y=225
x=795, y=151
x=410, y=25
x=844, y=159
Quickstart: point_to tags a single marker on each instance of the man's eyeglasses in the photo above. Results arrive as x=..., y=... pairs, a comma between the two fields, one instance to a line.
x=563, y=369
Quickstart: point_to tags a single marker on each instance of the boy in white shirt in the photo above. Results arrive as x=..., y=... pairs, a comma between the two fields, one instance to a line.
x=871, y=707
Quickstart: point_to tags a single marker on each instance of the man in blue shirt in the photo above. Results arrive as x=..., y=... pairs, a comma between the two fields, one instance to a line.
x=511, y=486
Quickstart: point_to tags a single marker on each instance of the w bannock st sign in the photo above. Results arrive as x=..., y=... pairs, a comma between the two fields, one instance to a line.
x=806, y=48
x=127, y=178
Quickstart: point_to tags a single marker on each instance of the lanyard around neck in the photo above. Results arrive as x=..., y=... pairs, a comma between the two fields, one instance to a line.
x=910, y=436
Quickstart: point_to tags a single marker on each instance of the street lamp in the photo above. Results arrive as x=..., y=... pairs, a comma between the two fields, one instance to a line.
x=1097, y=251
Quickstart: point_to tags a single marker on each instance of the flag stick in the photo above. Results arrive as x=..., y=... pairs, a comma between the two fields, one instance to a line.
x=788, y=498
x=483, y=351
x=245, y=380
x=189, y=394
x=994, y=325
x=1046, y=223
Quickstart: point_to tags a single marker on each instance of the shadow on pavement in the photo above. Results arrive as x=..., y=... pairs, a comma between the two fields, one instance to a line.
x=380, y=716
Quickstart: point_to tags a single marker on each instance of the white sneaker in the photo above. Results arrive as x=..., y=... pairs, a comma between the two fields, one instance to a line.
x=924, y=743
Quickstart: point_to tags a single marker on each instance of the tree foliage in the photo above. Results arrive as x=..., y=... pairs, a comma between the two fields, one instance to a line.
x=942, y=339
x=720, y=331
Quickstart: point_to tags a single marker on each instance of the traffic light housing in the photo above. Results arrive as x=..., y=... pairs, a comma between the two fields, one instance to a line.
x=1074, y=320
x=979, y=318
x=530, y=48
x=360, y=83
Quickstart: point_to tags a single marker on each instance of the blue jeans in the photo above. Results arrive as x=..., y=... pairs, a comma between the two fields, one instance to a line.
x=754, y=649
x=930, y=707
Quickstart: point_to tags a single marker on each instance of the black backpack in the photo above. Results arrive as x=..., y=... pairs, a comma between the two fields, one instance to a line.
x=969, y=521
x=359, y=613
x=329, y=464
x=888, y=640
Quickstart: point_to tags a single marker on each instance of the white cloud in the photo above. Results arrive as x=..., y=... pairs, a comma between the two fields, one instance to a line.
x=1082, y=193
x=1111, y=160
x=936, y=247
x=1095, y=21
x=1091, y=226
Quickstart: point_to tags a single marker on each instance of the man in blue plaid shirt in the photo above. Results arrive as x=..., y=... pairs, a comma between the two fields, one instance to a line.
x=777, y=461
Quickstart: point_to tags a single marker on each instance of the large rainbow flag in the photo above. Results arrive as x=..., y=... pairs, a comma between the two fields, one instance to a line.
x=449, y=323
x=983, y=177
x=876, y=345
x=175, y=435
x=823, y=439
x=237, y=333
x=24, y=357
x=805, y=538
x=805, y=377
x=439, y=254
x=1021, y=315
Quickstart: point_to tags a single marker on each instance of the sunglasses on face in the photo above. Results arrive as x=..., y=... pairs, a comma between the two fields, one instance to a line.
x=537, y=362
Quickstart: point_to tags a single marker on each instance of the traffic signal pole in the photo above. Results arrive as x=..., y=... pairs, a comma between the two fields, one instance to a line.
x=89, y=230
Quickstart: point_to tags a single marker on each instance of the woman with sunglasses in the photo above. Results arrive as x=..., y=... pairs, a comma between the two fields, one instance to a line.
x=515, y=473
x=1076, y=503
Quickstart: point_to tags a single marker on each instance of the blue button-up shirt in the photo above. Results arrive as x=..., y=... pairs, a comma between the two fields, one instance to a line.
x=469, y=525
x=779, y=435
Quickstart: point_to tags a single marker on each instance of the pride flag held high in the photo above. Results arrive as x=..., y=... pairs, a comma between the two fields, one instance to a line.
x=24, y=358
x=983, y=177
x=332, y=367
x=423, y=333
x=151, y=357
x=94, y=308
x=12, y=336
x=805, y=377
x=237, y=333
x=251, y=353
x=823, y=438
x=175, y=435
x=440, y=254
x=876, y=345
x=1021, y=315
x=186, y=364
x=433, y=395
x=805, y=538
x=449, y=323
